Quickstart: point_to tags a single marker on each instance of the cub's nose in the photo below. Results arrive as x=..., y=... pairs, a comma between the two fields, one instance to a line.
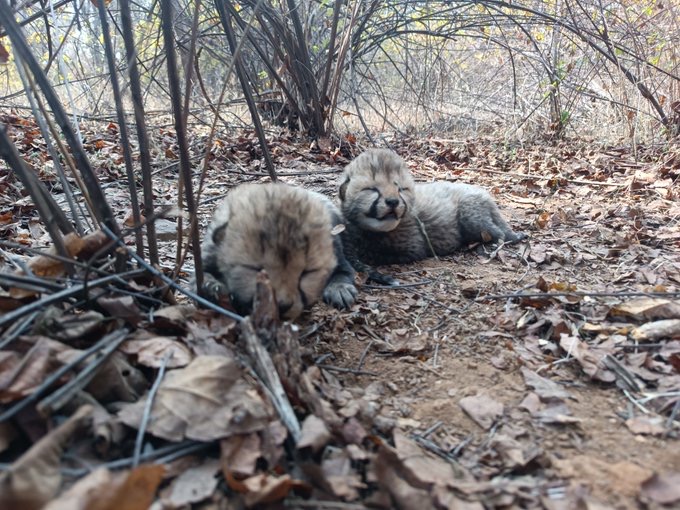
x=284, y=307
x=392, y=202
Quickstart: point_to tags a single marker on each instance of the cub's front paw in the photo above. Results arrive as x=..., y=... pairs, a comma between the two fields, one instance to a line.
x=214, y=290
x=340, y=294
x=515, y=237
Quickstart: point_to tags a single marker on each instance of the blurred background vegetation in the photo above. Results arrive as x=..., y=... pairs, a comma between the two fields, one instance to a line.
x=513, y=69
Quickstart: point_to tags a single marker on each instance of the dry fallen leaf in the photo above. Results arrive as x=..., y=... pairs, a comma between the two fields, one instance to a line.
x=151, y=350
x=662, y=488
x=204, y=401
x=621, y=477
x=194, y=485
x=395, y=484
x=83, y=492
x=239, y=454
x=483, y=410
x=265, y=488
x=315, y=434
x=420, y=464
x=340, y=477
x=49, y=267
x=35, y=478
x=647, y=309
x=20, y=377
x=653, y=425
x=132, y=490
x=544, y=388
x=589, y=359
x=669, y=328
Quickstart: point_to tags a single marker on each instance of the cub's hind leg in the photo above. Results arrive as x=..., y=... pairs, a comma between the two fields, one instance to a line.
x=480, y=220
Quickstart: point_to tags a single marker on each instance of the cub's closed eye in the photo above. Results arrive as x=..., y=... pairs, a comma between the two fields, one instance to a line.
x=257, y=269
x=371, y=189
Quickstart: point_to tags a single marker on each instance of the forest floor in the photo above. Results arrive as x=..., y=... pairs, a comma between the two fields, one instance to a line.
x=540, y=375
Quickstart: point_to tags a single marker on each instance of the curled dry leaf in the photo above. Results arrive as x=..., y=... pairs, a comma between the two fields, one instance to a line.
x=263, y=488
x=151, y=350
x=70, y=328
x=239, y=454
x=669, y=328
x=204, y=401
x=104, y=490
x=645, y=309
x=117, y=380
x=483, y=410
x=35, y=477
x=20, y=377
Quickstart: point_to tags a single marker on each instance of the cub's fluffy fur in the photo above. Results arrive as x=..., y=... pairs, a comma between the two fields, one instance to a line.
x=287, y=232
x=390, y=219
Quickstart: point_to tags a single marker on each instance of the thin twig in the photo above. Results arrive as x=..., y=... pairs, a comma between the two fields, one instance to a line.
x=538, y=177
x=201, y=301
x=54, y=377
x=17, y=329
x=148, y=405
x=61, y=396
x=57, y=297
x=364, y=354
x=579, y=294
x=399, y=286
x=333, y=368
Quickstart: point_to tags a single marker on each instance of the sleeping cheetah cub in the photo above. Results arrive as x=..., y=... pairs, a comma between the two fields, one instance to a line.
x=286, y=231
x=392, y=220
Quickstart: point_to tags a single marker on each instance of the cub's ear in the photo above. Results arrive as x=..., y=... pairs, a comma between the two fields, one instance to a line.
x=220, y=221
x=218, y=234
x=343, y=187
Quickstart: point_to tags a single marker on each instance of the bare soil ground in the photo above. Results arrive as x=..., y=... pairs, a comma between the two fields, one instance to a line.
x=540, y=370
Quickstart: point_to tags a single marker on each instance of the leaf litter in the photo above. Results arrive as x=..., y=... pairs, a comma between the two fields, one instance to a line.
x=544, y=375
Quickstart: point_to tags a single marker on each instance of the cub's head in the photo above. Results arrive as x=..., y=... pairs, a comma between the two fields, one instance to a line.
x=376, y=190
x=281, y=229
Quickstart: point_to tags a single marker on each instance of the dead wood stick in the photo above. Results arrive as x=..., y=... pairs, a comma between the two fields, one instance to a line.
x=54, y=377
x=162, y=455
x=201, y=301
x=57, y=297
x=17, y=329
x=30, y=282
x=266, y=371
x=397, y=286
x=536, y=177
x=580, y=294
x=344, y=370
x=61, y=396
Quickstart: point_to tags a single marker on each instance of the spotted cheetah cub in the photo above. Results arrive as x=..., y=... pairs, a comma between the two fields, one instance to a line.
x=392, y=220
x=286, y=231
